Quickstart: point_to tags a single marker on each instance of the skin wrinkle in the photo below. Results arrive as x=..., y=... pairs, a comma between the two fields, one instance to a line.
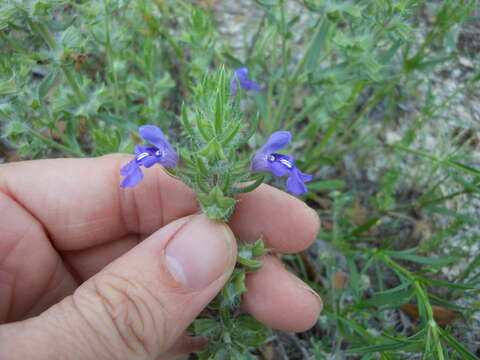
x=124, y=198
x=50, y=193
x=94, y=224
x=43, y=329
x=5, y=274
x=79, y=275
x=47, y=287
x=99, y=336
x=110, y=309
x=159, y=189
x=34, y=222
x=126, y=305
x=11, y=194
x=8, y=187
x=5, y=208
x=17, y=242
x=121, y=197
x=51, y=288
x=138, y=221
x=71, y=269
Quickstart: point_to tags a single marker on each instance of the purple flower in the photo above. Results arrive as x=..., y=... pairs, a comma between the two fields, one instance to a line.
x=268, y=160
x=245, y=83
x=162, y=152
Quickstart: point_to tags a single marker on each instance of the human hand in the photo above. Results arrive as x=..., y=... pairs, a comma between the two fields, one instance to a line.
x=92, y=271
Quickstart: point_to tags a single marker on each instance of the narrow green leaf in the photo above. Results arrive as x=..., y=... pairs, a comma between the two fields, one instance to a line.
x=445, y=283
x=47, y=83
x=437, y=301
x=201, y=165
x=322, y=185
x=390, y=298
x=445, y=211
x=377, y=348
x=423, y=259
x=248, y=188
x=470, y=268
x=202, y=127
x=7, y=14
x=186, y=122
x=9, y=87
x=218, y=121
x=464, y=352
x=231, y=133
x=317, y=45
x=365, y=226
x=390, y=53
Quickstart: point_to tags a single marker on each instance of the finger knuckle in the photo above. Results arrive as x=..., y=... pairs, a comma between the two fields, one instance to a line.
x=128, y=307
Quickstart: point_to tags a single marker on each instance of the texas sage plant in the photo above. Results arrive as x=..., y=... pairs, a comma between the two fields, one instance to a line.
x=213, y=164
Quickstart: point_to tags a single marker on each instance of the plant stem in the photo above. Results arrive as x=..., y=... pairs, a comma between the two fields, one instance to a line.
x=423, y=300
x=73, y=84
x=289, y=87
x=56, y=145
x=49, y=39
x=110, y=57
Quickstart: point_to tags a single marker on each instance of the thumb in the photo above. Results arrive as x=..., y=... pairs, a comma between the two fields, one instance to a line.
x=139, y=304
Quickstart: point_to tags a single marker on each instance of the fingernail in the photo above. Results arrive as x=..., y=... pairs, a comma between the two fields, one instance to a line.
x=314, y=216
x=200, y=252
x=313, y=292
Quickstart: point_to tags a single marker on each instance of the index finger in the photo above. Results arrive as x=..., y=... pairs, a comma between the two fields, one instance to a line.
x=80, y=204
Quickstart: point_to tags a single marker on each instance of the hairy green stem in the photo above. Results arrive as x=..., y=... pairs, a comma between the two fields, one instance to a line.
x=55, y=144
x=73, y=84
x=423, y=301
x=47, y=36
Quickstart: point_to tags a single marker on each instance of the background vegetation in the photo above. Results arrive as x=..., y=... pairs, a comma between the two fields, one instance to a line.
x=382, y=96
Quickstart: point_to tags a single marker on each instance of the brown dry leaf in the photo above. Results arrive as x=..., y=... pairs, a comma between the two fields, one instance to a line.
x=324, y=203
x=8, y=151
x=55, y=134
x=209, y=3
x=421, y=230
x=339, y=279
x=268, y=351
x=442, y=315
x=359, y=214
x=309, y=267
x=327, y=226
x=13, y=156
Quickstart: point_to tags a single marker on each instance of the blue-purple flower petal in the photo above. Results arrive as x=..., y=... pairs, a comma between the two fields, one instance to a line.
x=149, y=161
x=246, y=83
x=250, y=85
x=162, y=152
x=127, y=168
x=268, y=160
x=278, y=140
x=169, y=158
x=280, y=169
x=296, y=182
x=154, y=135
x=133, y=174
x=259, y=162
